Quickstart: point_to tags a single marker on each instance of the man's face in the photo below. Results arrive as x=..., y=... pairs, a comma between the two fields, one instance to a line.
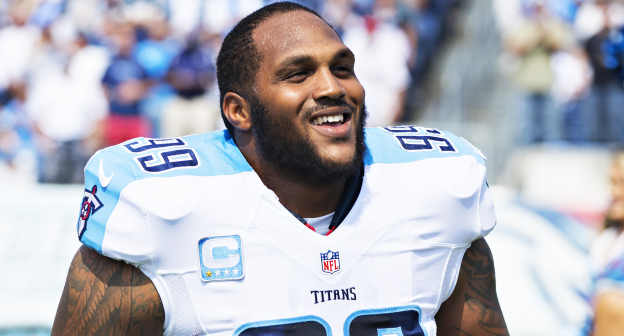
x=308, y=109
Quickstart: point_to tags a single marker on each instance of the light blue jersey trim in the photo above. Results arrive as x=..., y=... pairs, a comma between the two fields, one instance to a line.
x=216, y=153
x=308, y=318
x=385, y=147
x=112, y=164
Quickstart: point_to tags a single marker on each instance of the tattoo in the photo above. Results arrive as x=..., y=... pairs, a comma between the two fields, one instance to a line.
x=473, y=308
x=479, y=268
x=103, y=296
x=481, y=298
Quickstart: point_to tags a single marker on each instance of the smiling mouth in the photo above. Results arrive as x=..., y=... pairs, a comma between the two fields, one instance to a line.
x=331, y=120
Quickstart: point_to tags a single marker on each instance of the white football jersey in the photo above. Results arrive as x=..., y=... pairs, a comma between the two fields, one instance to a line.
x=228, y=259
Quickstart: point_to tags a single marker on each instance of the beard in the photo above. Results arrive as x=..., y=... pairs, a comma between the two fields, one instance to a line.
x=296, y=154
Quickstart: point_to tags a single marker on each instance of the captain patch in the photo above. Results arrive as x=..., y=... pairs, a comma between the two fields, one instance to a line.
x=221, y=258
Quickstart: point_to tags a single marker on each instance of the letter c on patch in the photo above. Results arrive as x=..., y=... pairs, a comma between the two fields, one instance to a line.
x=221, y=252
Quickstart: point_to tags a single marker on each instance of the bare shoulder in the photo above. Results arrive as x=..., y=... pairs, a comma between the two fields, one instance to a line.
x=473, y=308
x=103, y=296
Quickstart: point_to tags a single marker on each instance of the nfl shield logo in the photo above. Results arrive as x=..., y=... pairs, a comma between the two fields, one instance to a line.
x=330, y=262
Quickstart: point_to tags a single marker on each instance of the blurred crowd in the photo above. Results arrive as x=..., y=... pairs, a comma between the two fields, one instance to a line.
x=80, y=75
x=567, y=57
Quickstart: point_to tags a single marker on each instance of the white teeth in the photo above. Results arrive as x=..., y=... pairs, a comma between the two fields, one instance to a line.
x=322, y=120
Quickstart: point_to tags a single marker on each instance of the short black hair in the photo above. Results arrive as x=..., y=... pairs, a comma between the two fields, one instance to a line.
x=239, y=59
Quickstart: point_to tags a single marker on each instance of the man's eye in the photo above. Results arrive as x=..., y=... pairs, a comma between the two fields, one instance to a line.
x=297, y=75
x=343, y=69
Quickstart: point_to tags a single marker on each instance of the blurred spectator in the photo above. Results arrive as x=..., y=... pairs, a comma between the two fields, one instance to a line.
x=155, y=54
x=157, y=50
x=585, y=85
x=88, y=62
x=20, y=38
x=535, y=41
x=425, y=23
x=429, y=32
x=572, y=79
x=125, y=83
x=607, y=253
x=194, y=110
x=16, y=138
x=67, y=107
x=606, y=54
x=382, y=52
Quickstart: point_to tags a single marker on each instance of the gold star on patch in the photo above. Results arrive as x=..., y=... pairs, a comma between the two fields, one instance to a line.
x=209, y=274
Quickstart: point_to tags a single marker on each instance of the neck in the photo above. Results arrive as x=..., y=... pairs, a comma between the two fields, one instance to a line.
x=305, y=198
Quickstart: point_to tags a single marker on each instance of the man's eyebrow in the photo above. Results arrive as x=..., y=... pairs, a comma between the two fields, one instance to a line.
x=296, y=60
x=344, y=53
x=303, y=59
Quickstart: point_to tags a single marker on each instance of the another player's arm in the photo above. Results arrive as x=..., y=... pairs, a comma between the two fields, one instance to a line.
x=609, y=314
x=103, y=296
x=473, y=308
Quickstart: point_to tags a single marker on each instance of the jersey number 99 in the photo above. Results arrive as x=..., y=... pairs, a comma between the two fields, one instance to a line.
x=160, y=160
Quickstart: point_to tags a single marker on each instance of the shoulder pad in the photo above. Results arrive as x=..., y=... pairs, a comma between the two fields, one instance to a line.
x=112, y=169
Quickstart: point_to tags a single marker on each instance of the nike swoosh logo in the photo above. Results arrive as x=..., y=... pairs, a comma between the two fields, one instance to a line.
x=104, y=181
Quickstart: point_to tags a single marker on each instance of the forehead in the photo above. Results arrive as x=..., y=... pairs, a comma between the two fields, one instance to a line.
x=286, y=34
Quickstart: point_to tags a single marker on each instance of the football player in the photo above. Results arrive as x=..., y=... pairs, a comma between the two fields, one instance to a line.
x=295, y=220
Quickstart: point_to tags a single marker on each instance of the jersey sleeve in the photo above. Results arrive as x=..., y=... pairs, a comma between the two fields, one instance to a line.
x=487, y=216
x=482, y=204
x=485, y=205
x=111, y=221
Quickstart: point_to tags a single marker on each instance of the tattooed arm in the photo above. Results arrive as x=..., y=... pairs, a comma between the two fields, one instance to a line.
x=103, y=296
x=473, y=308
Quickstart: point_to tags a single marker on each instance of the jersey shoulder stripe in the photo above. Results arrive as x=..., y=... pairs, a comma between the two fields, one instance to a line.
x=208, y=154
x=110, y=170
x=403, y=144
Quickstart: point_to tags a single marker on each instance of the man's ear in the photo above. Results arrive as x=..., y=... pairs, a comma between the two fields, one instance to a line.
x=237, y=111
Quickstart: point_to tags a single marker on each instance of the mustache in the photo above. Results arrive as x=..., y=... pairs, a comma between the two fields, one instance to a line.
x=321, y=106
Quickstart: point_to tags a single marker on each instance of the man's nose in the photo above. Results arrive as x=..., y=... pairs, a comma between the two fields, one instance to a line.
x=328, y=86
